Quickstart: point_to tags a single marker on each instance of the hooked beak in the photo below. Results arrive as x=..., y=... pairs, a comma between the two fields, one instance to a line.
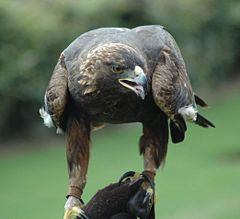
x=138, y=85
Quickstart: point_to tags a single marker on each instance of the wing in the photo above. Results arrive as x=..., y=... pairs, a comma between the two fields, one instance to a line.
x=170, y=84
x=172, y=92
x=56, y=97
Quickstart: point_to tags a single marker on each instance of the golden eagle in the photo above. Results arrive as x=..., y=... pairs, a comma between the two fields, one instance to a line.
x=120, y=75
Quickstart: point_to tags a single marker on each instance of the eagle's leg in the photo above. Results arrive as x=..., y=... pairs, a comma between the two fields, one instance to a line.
x=150, y=166
x=153, y=144
x=77, y=157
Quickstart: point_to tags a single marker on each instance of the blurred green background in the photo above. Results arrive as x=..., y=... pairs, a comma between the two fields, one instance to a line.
x=201, y=178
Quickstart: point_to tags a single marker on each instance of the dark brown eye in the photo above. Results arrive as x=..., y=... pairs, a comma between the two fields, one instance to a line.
x=117, y=69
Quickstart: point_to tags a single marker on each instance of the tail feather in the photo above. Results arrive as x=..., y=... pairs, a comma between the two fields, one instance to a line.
x=203, y=122
x=200, y=101
x=177, y=129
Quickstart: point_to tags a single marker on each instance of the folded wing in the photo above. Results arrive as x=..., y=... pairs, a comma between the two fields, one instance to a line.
x=173, y=94
x=56, y=97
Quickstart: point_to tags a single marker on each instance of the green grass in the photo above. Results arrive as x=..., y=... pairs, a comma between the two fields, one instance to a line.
x=201, y=178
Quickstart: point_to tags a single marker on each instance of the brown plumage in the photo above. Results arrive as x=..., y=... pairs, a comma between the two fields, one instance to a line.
x=131, y=198
x=120, y=75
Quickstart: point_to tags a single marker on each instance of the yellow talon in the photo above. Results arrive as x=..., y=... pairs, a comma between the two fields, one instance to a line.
x=72, y=213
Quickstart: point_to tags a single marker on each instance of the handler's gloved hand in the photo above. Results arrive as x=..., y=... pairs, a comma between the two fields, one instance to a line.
x=118, y=200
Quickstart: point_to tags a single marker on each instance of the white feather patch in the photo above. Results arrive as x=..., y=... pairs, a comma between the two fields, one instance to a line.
x=189, y=113
x=46, y=118
x=59, y=131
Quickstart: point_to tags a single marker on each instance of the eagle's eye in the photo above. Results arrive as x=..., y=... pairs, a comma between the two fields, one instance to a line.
x=117, y=69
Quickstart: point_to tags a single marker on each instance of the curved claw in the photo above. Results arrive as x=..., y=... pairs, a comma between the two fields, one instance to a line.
x=148, y=186
x=128, y=175
x=142, y=203
x=74, y=212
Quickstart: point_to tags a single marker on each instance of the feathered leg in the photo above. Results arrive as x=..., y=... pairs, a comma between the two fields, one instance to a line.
x=153, y=146
x=153, y=143
x=77, y=157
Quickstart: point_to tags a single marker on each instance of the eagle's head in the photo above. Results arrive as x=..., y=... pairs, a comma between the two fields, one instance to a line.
x=114, y=65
